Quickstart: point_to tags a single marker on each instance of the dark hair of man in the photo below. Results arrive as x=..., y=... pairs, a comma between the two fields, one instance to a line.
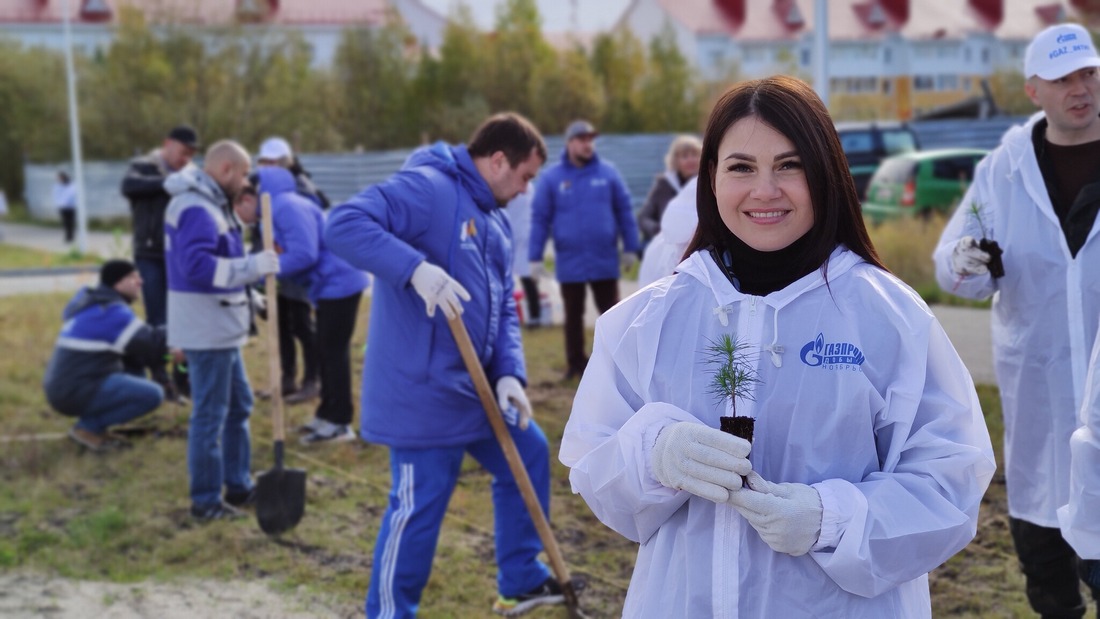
x=509, y=133
x=791, y=107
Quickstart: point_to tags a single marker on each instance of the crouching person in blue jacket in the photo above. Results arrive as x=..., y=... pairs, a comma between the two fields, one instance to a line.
x=209, y=313
x=335, y=289
x=435, y=238
x=97, y=369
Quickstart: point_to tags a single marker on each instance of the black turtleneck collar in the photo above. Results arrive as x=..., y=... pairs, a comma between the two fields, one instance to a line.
x=763, y=272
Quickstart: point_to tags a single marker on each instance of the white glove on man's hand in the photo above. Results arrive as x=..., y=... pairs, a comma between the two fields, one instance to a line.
x=266, y=262
x=512, y=399
x=968, y=259
x=629, y=259
x=438, y=290
x=538, y=269
x=702, y=460
x=787, y=516
x=258, y=301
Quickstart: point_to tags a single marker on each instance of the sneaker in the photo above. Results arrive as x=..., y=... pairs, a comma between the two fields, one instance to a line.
x=241, y=499
x=217, y=511
x=310, y=426
x=333, y=433
x=94, y=441
x=549, y=592
x=309, y=391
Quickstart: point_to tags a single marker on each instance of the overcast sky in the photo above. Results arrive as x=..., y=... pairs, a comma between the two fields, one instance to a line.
x=592, y=15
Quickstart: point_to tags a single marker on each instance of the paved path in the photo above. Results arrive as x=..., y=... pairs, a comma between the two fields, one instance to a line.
x=66, y=279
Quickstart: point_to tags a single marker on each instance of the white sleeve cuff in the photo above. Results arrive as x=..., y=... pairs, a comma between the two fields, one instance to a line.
x=840, y=501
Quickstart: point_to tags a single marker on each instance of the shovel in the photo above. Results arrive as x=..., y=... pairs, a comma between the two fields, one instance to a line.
x=280, y=492
x=515, y=463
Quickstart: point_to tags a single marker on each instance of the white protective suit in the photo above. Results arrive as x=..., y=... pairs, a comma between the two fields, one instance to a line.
x=1044, y=319
x=861, y=395
x=678, y=224
x=1078, y=518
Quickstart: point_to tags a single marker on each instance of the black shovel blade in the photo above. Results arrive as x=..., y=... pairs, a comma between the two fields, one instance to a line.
x=280, y=499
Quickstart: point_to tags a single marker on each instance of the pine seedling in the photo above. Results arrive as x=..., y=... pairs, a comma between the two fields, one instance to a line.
x=734, y=375
x=976, y=213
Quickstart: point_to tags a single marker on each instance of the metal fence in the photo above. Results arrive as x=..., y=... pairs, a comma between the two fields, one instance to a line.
x=341, y=175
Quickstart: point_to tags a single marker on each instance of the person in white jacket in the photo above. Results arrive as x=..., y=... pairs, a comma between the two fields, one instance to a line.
x=870, y=454
x=1036, y=196
x=666, y=250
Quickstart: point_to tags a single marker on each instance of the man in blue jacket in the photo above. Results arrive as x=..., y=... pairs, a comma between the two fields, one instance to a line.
x=434, y=236
x=582, y=202
x=209, y=312
x=96, y=369
x=333, y=286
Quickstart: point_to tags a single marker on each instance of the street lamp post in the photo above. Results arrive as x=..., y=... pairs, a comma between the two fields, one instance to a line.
x=74, y=135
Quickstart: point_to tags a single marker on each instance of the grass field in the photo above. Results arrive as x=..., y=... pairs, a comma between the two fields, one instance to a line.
x=14, y=257
x=124, y=516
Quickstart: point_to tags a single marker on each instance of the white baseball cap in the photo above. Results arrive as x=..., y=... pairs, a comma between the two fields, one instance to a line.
x=274, y=149
x=1058, y=51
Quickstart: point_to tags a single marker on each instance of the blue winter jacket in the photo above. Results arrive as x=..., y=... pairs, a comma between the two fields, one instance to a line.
x=298, y=224
x=416, y=390
x=586, y=210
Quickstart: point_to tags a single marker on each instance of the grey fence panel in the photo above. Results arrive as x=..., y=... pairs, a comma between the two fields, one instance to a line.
x=964, y=132
x=639, y=158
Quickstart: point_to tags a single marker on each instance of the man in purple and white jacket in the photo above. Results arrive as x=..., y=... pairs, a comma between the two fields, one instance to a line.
x=208, y=317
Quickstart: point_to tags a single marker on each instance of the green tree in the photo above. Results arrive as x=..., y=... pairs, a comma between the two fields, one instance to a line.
x=565, y=90
x=450, y=86
x=33, y=112
x=619, y=61
x=518, y=53
x=374, y=71
x=667, y=96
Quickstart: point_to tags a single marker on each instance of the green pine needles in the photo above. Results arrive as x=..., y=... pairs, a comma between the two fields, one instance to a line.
x=976, y=213
x=734, y=375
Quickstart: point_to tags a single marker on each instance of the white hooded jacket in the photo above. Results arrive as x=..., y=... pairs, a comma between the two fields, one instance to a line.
x=861, y=395
x=1044, y=318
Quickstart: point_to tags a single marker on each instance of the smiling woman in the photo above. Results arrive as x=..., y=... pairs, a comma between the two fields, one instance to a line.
x=868, y=440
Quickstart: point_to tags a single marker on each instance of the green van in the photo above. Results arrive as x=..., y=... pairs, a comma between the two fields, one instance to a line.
x=920, y=183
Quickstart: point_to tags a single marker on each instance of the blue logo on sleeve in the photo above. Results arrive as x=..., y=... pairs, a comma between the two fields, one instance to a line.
x=832, y=355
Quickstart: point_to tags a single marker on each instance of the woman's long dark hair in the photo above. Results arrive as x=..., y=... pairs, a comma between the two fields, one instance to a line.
x=792, y=108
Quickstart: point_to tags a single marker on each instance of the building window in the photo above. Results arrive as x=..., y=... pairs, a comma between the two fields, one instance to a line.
x=947, y=82
x=966, y=54
x=887, y=86
x=806, y=58
x=887, y=55
x=985, y=54
x=923, y=82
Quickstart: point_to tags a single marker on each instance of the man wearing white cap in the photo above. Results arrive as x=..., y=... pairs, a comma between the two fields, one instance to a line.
x=1025, y=231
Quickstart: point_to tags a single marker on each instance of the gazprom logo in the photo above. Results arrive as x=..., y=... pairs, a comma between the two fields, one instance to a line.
x=831, y=355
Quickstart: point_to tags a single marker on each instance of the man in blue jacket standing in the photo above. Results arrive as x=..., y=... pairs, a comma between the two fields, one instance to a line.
x=333, y=286
x=209, y=312
x=434, y=237
x=582, y=202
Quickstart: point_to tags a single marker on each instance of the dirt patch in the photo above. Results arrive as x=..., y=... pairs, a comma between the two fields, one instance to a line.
x=26, y=595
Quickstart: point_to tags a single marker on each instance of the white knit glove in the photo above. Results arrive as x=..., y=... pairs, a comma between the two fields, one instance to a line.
x=787, y=516
x=513, y=401
x=265, y=262
x=968, y=259
x=699, y=459
x=438, y=290
x=538, y=269
x=628, y=260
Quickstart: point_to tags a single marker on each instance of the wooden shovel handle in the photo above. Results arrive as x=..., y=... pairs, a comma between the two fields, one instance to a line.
x=511, y=454
x=274, y=366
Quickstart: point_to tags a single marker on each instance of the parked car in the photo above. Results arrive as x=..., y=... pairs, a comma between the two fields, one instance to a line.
x=868, y=143
x=920, y=183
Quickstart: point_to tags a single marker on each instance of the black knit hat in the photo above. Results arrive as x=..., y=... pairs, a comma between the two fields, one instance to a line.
x=113, y=271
